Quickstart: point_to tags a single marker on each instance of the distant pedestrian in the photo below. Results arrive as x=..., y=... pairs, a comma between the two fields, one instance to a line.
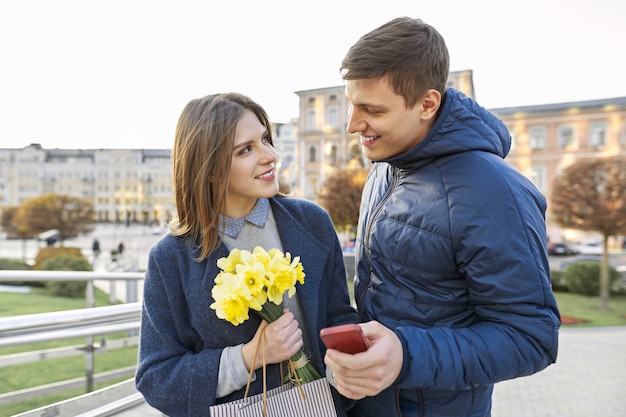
x=95, y=247
x=120, y=248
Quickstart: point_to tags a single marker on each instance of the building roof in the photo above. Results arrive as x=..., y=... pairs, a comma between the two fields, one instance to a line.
x=618, y=103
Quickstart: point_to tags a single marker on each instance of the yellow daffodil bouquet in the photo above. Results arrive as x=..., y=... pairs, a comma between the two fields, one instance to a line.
x=258, y=280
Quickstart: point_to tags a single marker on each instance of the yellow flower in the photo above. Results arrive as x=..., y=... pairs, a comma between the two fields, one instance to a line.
x=252, y=276
x=228, y=264
x=260, y=255
x=232, y=299
x=248, y=280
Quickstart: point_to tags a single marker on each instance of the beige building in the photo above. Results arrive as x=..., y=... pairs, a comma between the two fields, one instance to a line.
x=126, y=185
x=324, y=144
x=548, y=138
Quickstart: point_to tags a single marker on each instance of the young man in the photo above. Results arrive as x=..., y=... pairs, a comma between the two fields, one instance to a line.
x=452, y=276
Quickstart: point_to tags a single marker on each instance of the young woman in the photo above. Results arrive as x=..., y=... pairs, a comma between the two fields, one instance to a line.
x=227, y=196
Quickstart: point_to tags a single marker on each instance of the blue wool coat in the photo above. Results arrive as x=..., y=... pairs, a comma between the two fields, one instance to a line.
x=181, y=337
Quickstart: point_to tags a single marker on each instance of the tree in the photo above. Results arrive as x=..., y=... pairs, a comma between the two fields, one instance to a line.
x=590, y=195
x=341, y=195
x=69, y=215
x=12, y=228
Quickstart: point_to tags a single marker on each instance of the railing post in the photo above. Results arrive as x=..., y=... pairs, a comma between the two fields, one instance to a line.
x=112, y=294
x=89, y=363
x=89, y=294
x=131, y=291
x=89, y=348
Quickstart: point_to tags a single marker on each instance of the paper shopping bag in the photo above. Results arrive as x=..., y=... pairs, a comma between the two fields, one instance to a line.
x=283, y=401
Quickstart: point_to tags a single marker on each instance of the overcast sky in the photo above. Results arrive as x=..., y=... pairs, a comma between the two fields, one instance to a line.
x=117, y=73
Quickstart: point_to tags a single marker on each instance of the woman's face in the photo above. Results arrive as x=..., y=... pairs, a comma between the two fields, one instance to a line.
x=252, y=171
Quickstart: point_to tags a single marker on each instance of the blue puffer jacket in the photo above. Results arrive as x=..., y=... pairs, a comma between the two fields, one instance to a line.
x=451, y=255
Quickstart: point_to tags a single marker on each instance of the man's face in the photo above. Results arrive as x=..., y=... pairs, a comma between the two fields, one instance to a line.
x=380, y=116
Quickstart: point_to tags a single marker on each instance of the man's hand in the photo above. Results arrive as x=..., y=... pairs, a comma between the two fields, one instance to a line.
x=367, y=373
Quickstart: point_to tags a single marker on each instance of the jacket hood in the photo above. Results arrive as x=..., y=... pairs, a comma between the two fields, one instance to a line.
x=463, y=125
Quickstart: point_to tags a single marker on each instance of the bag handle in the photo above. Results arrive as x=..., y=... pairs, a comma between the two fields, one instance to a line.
x=291, y=365
x=256, y=354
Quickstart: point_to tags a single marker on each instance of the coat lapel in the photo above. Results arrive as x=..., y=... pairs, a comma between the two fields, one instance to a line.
x=298, y=240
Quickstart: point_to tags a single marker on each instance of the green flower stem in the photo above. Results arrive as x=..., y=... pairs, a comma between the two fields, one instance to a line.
x=271, y=312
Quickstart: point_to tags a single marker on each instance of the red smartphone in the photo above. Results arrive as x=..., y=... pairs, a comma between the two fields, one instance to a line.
x=347, y=338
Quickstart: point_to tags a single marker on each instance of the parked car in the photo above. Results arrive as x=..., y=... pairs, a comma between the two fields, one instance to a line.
x=51, y=236
x=560, y=249
x=591, y=247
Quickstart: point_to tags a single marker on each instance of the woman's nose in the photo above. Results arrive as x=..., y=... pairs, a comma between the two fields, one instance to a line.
x=270, y=154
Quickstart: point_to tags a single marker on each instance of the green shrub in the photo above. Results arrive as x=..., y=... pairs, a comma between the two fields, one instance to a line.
x=74, y=289
x=584, y=277
x=7, y=264
x=557, y=280
x=50, y=252
x=66, y=263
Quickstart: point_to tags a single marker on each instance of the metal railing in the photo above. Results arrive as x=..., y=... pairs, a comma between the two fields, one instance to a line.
x=30, y=276
x=90, y=322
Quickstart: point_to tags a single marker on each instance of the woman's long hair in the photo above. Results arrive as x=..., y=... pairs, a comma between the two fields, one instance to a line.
x=201, y=159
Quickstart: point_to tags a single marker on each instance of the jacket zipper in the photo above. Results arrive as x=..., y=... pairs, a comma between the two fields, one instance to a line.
x=370, y=220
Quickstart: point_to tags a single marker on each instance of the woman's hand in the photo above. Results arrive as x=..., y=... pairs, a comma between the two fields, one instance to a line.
x=283, y=338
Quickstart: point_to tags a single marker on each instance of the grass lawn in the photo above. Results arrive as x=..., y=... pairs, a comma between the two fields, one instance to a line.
x=53, y=370
x=574, y=307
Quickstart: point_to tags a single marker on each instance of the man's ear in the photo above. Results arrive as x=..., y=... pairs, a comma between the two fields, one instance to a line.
x=430, y=103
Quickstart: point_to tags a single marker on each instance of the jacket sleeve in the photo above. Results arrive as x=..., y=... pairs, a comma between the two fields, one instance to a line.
x=498, y=239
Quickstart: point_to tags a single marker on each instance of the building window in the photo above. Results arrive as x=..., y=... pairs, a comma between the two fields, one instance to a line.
x=537, y=136
x=567, y=137
x=311, y=122
x=538, y=177
x=332, y=158
x=333, y=116
x=597, y=135
x=312, y=154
